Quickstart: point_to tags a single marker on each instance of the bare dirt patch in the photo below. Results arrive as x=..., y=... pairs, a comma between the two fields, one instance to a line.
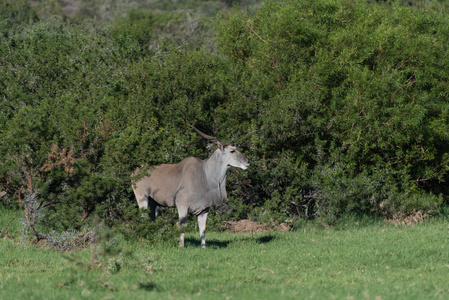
x=248, y=226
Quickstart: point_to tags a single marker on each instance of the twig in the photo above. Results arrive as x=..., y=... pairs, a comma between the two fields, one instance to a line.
x=250, y=28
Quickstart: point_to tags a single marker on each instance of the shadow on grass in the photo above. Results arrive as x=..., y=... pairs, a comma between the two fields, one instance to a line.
x=219, y=244
x=265, y=239
x=192, y=242
x=147, y=286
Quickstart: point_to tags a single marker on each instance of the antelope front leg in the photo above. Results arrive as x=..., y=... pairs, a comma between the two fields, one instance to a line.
x=202, y=227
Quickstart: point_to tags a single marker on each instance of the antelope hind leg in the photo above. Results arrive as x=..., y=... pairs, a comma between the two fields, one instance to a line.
x=182, y=223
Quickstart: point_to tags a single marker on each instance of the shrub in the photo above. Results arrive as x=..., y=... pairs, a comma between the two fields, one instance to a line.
x=13, y=12
x=341, y=108
x=343, y=101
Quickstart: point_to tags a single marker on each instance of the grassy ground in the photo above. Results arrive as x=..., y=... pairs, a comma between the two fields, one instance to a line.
x=376, y=261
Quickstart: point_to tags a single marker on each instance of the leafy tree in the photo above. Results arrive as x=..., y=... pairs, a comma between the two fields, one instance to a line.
x=341, y=108
x=341, y=102
x=13, y=12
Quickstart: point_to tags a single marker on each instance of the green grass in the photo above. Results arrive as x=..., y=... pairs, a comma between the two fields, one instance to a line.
x=376, y=261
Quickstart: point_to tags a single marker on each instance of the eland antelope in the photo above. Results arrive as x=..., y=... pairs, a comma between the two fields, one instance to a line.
x=192, y=185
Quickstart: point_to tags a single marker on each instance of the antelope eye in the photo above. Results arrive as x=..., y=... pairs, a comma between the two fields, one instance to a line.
x=232, y=151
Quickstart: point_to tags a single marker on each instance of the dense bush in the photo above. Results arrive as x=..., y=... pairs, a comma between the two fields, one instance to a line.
x=341, y=108
x=349, y=105
x=82, y=110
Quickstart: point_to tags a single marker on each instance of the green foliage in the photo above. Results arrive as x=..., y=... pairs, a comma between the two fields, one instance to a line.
x=135, y=31
x=341, y=107
x=13, y=12
x=81, y=113
x=349, y=103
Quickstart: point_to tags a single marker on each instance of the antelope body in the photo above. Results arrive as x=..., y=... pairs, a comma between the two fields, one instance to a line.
x=192, y=185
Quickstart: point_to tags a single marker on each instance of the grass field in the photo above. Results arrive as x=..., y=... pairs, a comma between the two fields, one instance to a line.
x=375, y=261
